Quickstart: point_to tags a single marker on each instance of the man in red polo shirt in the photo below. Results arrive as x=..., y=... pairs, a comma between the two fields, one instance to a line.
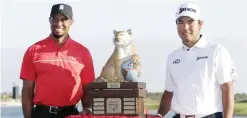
x=55, y=70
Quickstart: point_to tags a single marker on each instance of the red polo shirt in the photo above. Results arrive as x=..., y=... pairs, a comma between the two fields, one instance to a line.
x=59, y=72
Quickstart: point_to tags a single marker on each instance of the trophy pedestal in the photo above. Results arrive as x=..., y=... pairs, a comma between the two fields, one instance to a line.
x=122, y=99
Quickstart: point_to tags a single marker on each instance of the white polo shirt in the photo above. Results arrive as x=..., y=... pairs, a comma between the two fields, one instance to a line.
x=195, y=77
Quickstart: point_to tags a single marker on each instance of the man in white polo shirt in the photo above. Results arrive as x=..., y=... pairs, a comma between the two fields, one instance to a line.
x=199, y=75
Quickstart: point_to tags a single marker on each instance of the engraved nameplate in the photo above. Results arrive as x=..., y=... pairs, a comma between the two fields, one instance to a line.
x=99, y=108
x=129, y=111
x=129, y=99
x=98, y=99
x=113, y=105
x=129, y=107
x=99, y=112
x=98, y=103
x=113, y=85
x=129, y=103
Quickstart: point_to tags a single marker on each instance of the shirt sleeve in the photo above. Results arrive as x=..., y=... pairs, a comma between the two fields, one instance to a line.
x=87, y=73
x=169, y=85
x=28, y=71
x=225, y=69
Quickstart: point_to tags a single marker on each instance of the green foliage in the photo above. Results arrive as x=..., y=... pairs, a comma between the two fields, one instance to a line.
x=154, y=96
x=5, y=97
x=240, y=97
x=240, y=108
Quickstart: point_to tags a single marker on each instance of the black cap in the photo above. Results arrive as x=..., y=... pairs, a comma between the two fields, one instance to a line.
x=62, y=9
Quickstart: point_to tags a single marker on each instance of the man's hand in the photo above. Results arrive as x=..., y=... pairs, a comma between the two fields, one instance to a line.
x=86, y=111
x=227, y=99
x=85, y=102
x=159, y=116
x=155, y=116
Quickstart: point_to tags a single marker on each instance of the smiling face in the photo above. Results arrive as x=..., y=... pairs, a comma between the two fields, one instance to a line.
x=188, y=29
x=60, y=25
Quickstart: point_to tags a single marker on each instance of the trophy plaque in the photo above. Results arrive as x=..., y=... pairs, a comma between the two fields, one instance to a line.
x=124, y=98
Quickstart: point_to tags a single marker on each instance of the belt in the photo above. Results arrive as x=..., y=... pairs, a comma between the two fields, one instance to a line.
x=54, y=109
x=198, y=116
x=190, y=116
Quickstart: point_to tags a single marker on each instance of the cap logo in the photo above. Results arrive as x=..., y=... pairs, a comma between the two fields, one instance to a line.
x=61, y=7
x=186, y=9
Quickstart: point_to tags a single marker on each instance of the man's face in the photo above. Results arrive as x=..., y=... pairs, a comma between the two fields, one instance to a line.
x=188, y=28
x=60, y=25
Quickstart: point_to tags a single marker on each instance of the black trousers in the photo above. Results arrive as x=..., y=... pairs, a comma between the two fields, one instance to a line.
x=215, y=115
x=44, y=112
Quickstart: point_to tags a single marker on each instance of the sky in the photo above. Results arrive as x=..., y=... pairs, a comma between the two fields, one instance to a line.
x=24, y=22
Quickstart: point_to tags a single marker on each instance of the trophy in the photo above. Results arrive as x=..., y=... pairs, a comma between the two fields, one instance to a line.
x=118, y=90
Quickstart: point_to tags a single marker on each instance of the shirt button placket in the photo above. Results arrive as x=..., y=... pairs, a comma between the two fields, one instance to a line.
x=58, y=53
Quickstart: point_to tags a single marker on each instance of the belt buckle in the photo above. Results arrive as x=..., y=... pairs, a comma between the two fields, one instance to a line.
x=189, y=116
x=53, y=110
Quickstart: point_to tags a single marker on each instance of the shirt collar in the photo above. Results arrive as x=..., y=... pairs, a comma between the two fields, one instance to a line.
x=53, y=43
x=202, y=43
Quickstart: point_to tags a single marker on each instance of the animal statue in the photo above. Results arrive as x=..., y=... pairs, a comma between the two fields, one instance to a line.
x=124, y=63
